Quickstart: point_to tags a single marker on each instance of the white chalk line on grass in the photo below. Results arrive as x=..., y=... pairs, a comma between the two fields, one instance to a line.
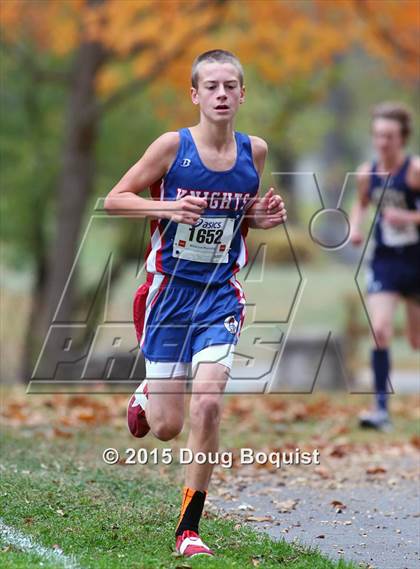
x=14, y=537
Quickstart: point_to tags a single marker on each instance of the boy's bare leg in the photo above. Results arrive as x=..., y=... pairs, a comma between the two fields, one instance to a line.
x=205, y=412
x=165, y=407
x=413, y=322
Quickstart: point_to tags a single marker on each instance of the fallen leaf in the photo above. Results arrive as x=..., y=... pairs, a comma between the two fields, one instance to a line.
x=338, y=504
x=286, y=506
x=259, y=519
x=61, y=433
x=87, y=416
x=415, y=441
x=322, y=472
x=375, y=470
x=338, y=451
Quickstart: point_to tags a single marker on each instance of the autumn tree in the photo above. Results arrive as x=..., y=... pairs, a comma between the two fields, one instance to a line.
x=87, y=38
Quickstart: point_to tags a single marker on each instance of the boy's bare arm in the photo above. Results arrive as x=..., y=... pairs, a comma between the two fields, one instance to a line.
x=413, y=174
x=358, y=212
x=152, y=166
x=400, y=216
x=269, y=211
x=259, y=154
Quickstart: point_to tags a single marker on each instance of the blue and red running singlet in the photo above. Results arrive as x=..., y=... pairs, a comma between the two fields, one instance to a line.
x=214, y=249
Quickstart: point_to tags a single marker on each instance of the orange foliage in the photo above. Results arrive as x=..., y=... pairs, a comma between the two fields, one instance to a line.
x=49, y=25
x=283, y=39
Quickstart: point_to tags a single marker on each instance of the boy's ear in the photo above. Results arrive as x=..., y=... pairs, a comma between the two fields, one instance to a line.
x=242, y=97
x=194, y=95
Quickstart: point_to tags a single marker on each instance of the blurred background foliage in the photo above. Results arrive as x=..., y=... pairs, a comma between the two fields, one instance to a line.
x=88, y=84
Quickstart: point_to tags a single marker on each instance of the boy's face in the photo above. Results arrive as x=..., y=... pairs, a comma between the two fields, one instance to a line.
x=387, y=139
x=219, y=92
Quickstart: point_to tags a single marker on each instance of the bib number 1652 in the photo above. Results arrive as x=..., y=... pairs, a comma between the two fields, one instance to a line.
x=202, y=235
x=208, y=241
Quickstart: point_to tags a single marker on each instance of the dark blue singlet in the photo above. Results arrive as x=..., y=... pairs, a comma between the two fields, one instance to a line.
x=395, y=264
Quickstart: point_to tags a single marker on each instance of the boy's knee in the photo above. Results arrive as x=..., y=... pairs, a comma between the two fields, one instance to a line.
x=165, y=430
x=205, y=411
x=383, y=333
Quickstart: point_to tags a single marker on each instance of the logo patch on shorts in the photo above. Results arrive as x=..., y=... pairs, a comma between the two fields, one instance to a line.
x=231, y=324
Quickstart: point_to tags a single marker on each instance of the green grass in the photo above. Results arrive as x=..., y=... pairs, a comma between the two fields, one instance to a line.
x=12, y=558
x=59, y=492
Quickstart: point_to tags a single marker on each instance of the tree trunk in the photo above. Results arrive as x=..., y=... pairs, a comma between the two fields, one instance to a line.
x=74, y=189
x=337, y=150
x=32, y=343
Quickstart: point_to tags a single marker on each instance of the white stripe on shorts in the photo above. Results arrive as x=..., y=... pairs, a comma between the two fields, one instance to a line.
x=153, y=291
x=165, y=370
x=220, y=353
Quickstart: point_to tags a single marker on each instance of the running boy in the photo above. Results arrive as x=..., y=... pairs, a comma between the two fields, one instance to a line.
x=204, y=182
x=395, y=266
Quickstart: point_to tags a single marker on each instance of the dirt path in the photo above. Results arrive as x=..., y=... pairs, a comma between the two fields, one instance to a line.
x=364, y=507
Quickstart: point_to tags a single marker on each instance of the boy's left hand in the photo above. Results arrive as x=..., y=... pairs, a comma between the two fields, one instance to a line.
x=269, y=211
x=397, y=216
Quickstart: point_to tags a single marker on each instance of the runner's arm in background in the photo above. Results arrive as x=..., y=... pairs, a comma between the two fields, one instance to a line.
x=413, y=174
x=151, y=167
x=360, y=207
x=398, y=216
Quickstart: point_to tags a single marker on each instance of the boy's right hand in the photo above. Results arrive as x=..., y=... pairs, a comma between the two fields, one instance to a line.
x=186, y=210
x=356, y=237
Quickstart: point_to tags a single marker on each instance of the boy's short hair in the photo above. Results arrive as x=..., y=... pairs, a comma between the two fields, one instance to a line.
x=397, y=112
x=216, y=55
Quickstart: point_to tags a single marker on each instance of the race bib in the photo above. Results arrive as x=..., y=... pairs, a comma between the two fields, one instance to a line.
x=208, y=241
x=394, y=236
